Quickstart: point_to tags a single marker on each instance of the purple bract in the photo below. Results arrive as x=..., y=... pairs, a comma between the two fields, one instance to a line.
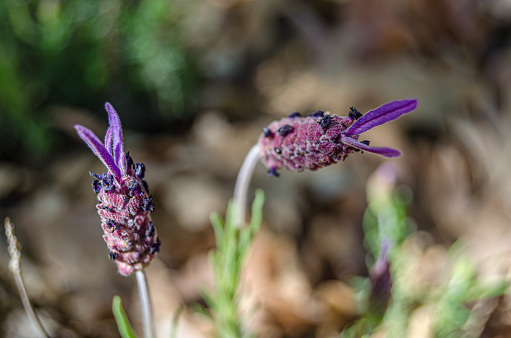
x=124, y=202
x=319, y=140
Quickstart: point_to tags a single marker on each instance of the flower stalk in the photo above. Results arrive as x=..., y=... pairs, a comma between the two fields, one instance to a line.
x=14, y=267
x=242, y=184
x=145, y=304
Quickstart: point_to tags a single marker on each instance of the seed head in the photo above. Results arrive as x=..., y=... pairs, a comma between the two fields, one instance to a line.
x=318, y=140
x=124, y=203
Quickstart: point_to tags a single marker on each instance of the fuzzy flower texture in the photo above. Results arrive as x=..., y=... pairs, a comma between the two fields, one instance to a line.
x=123, y=198
x=319, y=139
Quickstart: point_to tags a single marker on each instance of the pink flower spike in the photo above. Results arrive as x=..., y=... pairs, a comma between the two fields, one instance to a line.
x=124, y=204
x=388, y=112
x=318, y=140
x=99, y=150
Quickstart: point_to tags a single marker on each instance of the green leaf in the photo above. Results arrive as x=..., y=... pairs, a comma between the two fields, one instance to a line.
x=487, y=291
x=218, y=227
x=123, y=324
x=227, y=261
x=257, y=212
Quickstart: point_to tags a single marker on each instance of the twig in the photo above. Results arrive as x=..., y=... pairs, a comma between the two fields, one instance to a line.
x=145, y=303
x=14, y=266
x=242, y=183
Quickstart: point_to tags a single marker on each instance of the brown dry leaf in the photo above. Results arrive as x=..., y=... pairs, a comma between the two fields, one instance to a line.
x=276, y=288
x=340, y=307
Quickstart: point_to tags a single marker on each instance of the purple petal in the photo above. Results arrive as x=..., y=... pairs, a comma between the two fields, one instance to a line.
x=380, y=115
x=122, y=163
x=108, y=140
x=387, y=152
x=99, y=150
x=120, y=158
x=118, y=147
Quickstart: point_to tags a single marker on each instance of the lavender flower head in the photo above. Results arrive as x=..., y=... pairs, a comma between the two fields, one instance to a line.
x=123, y=198
x=319, y=140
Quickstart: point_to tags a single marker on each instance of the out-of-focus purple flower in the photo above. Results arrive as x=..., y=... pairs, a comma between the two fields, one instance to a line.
x=123, y=198
x=319, y=140
x=381, y=280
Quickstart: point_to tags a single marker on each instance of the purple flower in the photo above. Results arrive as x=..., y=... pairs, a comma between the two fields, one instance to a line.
x=123, y=198
x=381, y=279
x=319, y=140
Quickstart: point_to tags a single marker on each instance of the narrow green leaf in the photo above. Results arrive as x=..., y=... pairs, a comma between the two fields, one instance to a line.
x=244, y=241
x=123, y=324
x=486, y=291
x=218, y=227
x=257, y=212
x=227, y=260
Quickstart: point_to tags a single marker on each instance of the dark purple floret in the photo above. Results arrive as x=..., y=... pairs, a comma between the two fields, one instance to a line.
x=134, y=189
x=104, y=207
x=155, y=247
x=318, y=113
x=325, y=121
x=366, y=142
x=108, y=182
x=295, y=114
x=96, y=185
x=102, y=181
x=129, y=160
x=272, y=172
x=267, y=132
x=96, y=176
x=354, y=114
x=284, y=130
x=148, y=204
x=151, y=230
x=140, y=170
x=111, y=226
x=113, y=255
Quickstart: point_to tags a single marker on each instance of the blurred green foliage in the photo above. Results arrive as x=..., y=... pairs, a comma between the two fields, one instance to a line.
x=123, y=323
x=82, y=53
x=448, y=303
x=232, y=247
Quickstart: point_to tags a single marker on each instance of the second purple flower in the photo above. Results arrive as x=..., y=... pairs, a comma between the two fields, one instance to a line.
x=318, y=140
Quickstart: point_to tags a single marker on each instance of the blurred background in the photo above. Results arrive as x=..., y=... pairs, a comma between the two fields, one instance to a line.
x=194, y=82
